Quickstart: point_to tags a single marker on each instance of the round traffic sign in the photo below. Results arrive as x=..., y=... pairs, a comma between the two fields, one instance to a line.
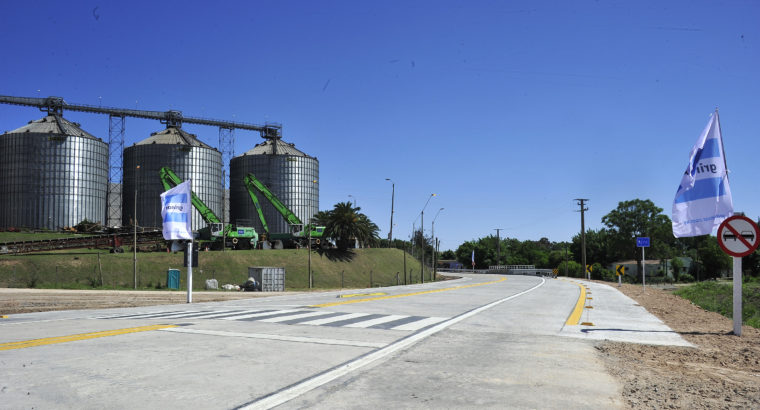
x=738, y=236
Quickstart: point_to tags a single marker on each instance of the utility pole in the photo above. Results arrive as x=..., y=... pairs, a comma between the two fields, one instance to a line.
x=498, y=247
x=393, y=195
x=581, y=202
x=134, y=227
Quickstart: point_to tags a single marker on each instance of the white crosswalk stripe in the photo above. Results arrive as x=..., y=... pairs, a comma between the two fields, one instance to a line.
x=309, y=317
x=319, y=322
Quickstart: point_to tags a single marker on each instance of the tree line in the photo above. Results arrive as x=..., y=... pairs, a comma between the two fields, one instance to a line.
x=615, y=242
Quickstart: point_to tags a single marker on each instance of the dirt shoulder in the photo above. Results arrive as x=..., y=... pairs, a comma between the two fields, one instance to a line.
x=722, y=372
x=14, y=301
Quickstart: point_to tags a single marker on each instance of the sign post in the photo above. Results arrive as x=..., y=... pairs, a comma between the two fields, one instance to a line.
x=620, y=271
x=738, y=237
x=176, y=212
x=643, y=242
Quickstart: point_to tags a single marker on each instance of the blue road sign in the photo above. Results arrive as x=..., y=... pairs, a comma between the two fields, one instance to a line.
x=642, y=242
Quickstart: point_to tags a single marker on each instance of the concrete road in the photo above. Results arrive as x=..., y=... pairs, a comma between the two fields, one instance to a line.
x=480, y=341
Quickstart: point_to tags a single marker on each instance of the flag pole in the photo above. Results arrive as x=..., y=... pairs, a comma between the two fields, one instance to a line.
x=190, y=271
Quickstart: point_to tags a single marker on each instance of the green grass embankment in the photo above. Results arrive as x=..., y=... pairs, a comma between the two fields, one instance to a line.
x=81, y=270
x=718, y=297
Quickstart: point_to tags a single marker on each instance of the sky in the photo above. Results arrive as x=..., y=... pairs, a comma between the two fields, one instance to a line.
x=506, y=110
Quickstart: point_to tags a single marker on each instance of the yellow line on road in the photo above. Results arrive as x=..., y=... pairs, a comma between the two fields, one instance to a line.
x=353, y=295
x=406, y=294
x=83, y=336
x=575, y=317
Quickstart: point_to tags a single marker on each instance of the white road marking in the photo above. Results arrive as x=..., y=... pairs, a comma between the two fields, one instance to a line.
x=297, y=389
x=372, y=322
x=419, y=324
x=318, y=322
x=278, y=337
x=291, y=317
x=250, y=315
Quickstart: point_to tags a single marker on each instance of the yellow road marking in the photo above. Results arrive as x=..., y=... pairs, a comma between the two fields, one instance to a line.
x=575, y=317
x=83, y=336
x=4, y=317
x=353, y=295
x=406, y=294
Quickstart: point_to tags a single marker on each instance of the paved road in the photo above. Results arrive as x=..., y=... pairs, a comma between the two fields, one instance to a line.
x=483, y=340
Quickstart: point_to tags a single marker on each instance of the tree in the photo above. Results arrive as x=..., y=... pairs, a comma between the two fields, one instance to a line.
x=448, y=255
x=344, y=223
x=633, y=219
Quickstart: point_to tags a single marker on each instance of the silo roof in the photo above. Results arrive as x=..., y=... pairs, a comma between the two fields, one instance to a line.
x=174, y=136
x=52, y=125
x=282, y=148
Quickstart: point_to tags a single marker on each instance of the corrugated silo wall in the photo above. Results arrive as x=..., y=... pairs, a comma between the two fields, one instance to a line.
x=202, y=165
x=289, y=177
x=48, y=181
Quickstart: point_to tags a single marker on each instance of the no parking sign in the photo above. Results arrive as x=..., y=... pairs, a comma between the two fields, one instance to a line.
x=738, y=236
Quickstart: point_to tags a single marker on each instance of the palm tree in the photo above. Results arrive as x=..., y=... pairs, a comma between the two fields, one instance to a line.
x=344, y=223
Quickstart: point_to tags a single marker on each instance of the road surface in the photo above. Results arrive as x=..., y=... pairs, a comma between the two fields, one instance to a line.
x=483, y=340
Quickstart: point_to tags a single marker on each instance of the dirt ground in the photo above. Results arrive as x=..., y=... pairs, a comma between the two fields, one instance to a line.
x=722, y=372
x=14, y=301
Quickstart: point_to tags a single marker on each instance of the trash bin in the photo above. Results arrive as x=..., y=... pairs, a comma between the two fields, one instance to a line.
x=172, y=279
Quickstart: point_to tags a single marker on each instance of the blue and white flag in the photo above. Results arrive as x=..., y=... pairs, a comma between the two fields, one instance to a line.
x=703, y=199
x=176, y=211
x=473, y=258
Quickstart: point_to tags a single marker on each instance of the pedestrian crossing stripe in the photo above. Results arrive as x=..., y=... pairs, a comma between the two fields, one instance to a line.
x=308, y=317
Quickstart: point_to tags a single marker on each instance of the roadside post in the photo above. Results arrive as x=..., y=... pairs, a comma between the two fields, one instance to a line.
x=737, y=236
x=643, y=242
x=589, y=268
x=177, y=223
x=620, y=271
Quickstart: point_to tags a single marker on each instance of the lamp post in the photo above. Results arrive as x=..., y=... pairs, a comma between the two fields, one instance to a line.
x=134, y=225
x=308, y=246
x=435, y=250
x=393, y=195
x=351, y=196
x=422, y=230
x=498, y=247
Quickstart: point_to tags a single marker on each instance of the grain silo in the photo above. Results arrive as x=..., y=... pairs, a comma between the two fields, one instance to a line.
x=289, y=173
x=187, y=156
x=52, y=175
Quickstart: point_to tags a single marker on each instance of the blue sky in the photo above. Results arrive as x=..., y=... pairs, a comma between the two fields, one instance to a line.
x=507, y=110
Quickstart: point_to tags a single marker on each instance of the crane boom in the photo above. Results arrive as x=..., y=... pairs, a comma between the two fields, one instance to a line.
x=253, y=184
x=56, y=105
x=217, y=229
x=169, y=179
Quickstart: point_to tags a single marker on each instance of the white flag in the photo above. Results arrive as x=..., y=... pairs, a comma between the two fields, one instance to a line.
x=176, y=211
x=703, y=199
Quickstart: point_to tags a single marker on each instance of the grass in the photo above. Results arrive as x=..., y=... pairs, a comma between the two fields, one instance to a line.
x=93, y=269
x=718, y=297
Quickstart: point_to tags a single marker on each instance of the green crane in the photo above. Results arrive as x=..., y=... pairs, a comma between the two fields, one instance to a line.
x=239, y=236
x=299, y=233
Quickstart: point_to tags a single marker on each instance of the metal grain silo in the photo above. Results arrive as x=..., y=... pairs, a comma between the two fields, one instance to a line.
x=289, y=173
x=52, y=174
x=187, y=156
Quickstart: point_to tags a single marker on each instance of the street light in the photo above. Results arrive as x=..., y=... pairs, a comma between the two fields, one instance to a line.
x=422, y=228
x=308, y=246
x=435, y=248
x=134, y=251
x=498, y=247
x=351, y=196
x=393, y=194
